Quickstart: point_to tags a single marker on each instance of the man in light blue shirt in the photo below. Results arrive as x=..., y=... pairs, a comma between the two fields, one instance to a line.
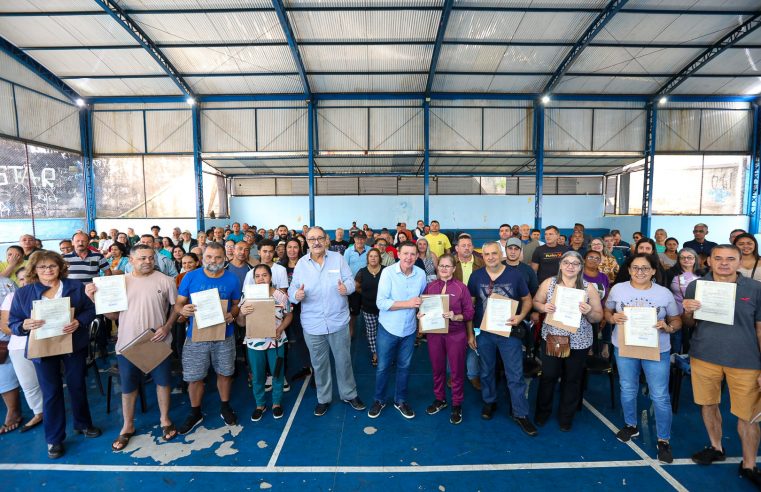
x=163, y=264
x=356, y=257
x=322, y=281
x=399, y=291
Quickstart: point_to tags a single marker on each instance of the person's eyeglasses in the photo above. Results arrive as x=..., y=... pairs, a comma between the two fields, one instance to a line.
x=594, y=259
x=641, y=269
x=686, y=258
x=574, y=264
x=446, y=266
x=316, y=239
x=46, y=267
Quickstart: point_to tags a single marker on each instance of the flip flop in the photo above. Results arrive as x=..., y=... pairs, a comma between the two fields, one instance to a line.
x=169, y=432
x=121, y=442
x=12, y=427
x=30, y=425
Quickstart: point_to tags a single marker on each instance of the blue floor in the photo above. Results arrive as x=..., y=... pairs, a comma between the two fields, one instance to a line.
x=346, y=450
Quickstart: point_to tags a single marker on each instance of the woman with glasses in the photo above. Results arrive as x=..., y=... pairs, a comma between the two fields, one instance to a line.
x=679, y=277
x=642, y=291
x=563, y=351
x=608, y=265
x=449, y=347
x=749, y=263
x=46, y=279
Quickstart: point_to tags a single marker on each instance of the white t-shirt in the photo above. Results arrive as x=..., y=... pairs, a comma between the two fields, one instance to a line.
x=279, y=277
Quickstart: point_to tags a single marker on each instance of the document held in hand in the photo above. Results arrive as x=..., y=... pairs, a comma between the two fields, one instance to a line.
x=111, y=296
x=717, y=301
x=145, y=354
x=434, y=307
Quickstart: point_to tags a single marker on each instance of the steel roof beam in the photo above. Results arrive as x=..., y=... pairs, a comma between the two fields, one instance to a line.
x=442, y=30
x=711, y=53
x=600, y=21
x=115, y=11
x=11, y=50
x=285, y=24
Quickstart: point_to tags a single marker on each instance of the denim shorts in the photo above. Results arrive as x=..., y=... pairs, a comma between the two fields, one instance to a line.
x=130, y=376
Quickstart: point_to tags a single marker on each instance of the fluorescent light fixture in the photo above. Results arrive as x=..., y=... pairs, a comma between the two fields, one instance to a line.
x=663, y=100
x=80, y=102
x=545, y=99
x=190, y=101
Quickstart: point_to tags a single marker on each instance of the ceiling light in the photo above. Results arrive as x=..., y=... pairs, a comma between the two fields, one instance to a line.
x=190, y=101
x=80, y=102
x=663, y=100
x=545, y=99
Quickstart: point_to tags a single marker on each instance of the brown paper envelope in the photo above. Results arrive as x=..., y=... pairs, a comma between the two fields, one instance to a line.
x=446, y=321
x=513, y=310
x=557, y=324
x=261, y=323
x=634, y=352
x=214, y=333
x=145, y=354
x=48, y=347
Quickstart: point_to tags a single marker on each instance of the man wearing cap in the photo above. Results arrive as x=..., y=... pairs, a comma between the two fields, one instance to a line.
x=187, y=242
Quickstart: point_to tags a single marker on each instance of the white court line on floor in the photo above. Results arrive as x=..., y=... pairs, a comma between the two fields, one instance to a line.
x=289, y=423
x=653, y=463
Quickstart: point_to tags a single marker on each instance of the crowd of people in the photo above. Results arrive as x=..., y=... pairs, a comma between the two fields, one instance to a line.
x=323, y=285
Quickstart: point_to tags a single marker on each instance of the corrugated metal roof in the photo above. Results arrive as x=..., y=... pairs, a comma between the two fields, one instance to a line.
x=46, y=120
x=628, y=27
x=741, y=61
x=363, y=3
x=282, y=130
x=532, y=3
x=456, y=129
x=118, y=132
x=213, y=60
x=400, y=164
x=14, y=71
x=512, y=26
x=264, y=84
x=368, y=83
x=47, y=5
x=725, y=131
x=488, y=83
x=192, y=4
x=211, y=27
x=718, y=5
x=482, y=58
x=358, y=25
x=396, y=129
x=66, y=63
x=76, y=30
x=398, y=57
x=232, y=130
x=7, y=111
x=342, y=128
x=169, y=131
x=260, y=166
x=619, y=130
x=720, y=85
x=609, y=85
x=633, y=60
x=124, y=87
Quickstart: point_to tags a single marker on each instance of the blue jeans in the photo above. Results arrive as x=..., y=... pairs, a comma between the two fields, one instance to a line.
x=471, y=364
x=511, y=351
x=657, y=376
x=393, y=349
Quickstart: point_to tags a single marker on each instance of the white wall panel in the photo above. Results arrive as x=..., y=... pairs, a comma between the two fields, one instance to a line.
x=232, y=130
x=725, y=130
x=118, y=132
x=678, y=130
x=7, y=112
x=46, y=120
x=169, y=131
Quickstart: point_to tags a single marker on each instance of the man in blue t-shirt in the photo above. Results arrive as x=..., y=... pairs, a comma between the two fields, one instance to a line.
x=496, y=278
x=197, y=356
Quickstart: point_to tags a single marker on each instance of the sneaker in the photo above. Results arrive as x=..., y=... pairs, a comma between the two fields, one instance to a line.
x=487, y=411
x=664, y=452
x=278, y=412
x=526, y=426
x=456, y=416
x=321, y=409
x=627, y=433
x=258, y=413
x=406, y=410
x=376, y=409
x=286, y=386
x=708, y=455
x=268, y=384
x=89, y=432
x=190, y=423
x=436, y=406
x=356, y=404
x=752, y=474
x=55, y=451
x=228, y=415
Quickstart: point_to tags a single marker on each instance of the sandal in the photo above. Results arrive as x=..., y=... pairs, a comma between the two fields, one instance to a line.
x=121, y=442
x=31, y=424
x=169, y=432
x=6, y=428
x=374, y=360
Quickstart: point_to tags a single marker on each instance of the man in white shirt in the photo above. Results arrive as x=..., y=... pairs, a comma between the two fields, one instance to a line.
x=266, y=256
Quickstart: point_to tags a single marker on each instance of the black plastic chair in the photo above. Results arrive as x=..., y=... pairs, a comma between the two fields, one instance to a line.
x=92, y=351
x=599, y=365
x=113, y=372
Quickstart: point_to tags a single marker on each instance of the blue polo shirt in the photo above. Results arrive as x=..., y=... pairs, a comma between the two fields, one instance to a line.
x=395, y=286
x=510, y=284
x=356, y=260
x=197, y=280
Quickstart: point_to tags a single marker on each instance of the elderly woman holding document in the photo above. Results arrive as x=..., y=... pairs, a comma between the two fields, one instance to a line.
x=645, y=315
x=51, y=295
x=572, y=304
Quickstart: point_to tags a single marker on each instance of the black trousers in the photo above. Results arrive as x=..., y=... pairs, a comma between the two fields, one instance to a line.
x=571, y=372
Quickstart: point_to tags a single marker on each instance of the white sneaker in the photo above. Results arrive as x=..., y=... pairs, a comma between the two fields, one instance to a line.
x=286, y=386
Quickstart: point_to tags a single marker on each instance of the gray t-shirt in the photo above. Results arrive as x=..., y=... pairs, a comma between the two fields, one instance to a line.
x=624, y=295
x=733, y=346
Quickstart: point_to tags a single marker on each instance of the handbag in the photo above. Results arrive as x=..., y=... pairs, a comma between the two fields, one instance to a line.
x=558, y=346
x=3, y=352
